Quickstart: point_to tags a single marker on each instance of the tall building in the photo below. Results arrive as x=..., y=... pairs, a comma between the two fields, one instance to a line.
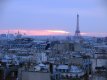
x=77, y=32
x=77, y=37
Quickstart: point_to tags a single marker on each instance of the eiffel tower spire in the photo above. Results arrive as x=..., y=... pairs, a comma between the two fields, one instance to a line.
x=77, y=32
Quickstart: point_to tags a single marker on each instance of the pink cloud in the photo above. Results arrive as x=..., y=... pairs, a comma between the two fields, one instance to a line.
x=37, y=32
x=51, y=32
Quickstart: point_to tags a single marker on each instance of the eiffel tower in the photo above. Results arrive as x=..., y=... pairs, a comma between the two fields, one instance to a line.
x=77, y=32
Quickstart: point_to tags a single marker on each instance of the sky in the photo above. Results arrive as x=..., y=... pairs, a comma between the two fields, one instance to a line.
x=47, y=17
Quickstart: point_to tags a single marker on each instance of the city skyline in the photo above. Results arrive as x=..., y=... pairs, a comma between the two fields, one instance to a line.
x=53, y=17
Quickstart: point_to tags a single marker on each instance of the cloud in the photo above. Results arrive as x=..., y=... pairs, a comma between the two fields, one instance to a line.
x=52, y=32
x=97, y=34
x=37, y=32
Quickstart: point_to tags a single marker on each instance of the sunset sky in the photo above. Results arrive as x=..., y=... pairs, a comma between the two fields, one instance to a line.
x=47, y=17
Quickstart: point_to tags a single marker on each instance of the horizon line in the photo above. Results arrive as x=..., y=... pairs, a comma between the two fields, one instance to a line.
x=51, y=32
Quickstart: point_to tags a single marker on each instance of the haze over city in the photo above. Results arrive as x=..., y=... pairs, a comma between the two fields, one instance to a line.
x=53, y=17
